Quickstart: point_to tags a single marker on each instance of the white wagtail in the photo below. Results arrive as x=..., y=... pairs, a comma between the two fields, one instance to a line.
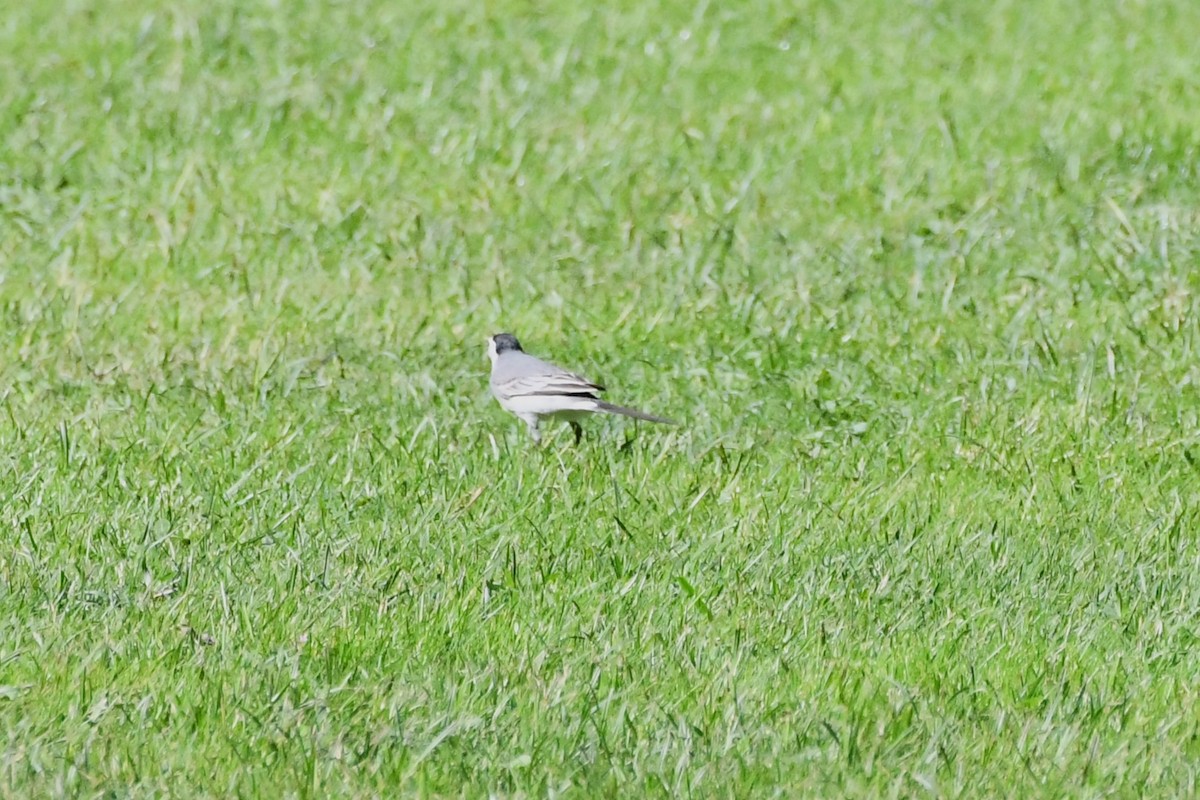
x=532, y=389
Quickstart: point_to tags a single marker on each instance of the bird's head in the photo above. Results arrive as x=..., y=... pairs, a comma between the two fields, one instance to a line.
x=502, y=343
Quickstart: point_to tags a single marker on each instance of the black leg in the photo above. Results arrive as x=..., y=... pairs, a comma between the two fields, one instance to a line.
x=575, y=426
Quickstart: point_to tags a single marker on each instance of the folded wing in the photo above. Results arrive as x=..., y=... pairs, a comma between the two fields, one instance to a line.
x=558, y=383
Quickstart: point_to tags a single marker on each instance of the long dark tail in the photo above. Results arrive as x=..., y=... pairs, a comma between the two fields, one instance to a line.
x=632, y=412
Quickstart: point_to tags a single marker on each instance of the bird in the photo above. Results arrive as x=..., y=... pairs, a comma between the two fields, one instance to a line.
x=533, y=389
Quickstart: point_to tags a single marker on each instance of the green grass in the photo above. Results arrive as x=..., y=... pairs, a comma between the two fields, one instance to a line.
x=920, y=278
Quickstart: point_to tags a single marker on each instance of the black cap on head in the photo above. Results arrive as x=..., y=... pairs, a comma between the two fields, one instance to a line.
x=506, y=341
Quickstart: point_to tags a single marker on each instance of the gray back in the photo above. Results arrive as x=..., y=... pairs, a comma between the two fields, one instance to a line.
x=515, y=364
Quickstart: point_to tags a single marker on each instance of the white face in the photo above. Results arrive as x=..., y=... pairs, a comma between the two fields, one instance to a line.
x=492, y=348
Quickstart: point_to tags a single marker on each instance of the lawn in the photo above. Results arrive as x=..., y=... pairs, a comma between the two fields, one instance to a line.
x=919, y=279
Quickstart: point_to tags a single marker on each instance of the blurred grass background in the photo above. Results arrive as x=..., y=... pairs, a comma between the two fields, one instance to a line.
x=920, y=278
